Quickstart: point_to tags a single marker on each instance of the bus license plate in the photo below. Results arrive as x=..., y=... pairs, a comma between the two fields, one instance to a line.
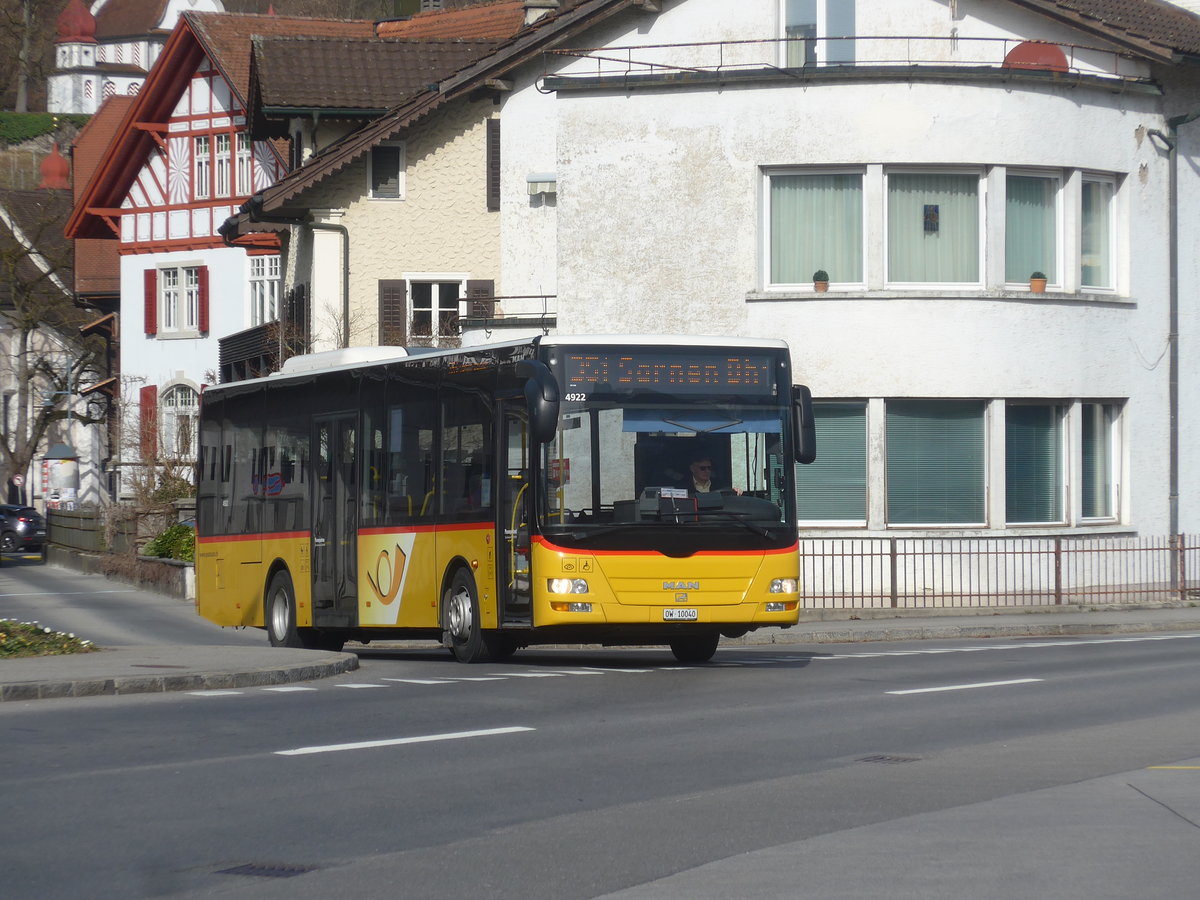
x=680, y=615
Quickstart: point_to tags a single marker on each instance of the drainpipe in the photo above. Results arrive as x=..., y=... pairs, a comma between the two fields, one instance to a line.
x=253, y=209
x=1171, y=140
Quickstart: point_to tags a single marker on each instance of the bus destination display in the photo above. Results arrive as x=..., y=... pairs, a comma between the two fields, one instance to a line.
x=590, y=372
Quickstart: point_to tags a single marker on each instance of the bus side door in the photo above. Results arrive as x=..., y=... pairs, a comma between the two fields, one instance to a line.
x=513, y=528
x=334, y=521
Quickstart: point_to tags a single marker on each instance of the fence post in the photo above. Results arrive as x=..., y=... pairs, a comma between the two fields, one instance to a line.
x=1058, y=571
x=892, y=562
x=1177, y=550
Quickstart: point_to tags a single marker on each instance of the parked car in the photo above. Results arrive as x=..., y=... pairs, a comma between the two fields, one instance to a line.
x=21, y=528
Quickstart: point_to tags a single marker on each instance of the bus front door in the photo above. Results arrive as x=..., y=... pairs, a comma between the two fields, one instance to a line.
x=513, y=527
x=334, y=521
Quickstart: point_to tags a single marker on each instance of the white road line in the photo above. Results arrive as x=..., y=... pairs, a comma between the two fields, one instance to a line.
x=535, y=675
x=624, y=671
x=1033, y=644
x=216, y=693
x=289, y=689
x=396, y=742
x=356, y=686
x=966, y=687
x=419, y=680
x=480, y=678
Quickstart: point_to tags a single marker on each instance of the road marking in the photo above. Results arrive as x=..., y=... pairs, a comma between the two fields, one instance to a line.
x=355, y=686
x=535, y=675
x=289, y=689
x=420, y=680
x=967, y=687
x=216, y=693
x=1032, y=644
x=479, y=678
x=396, y=742
x=1176, y=768
x=69, y=593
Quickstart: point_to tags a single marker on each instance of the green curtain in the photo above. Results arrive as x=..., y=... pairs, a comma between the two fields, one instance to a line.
x=816, y=223
x=1029, y=239
x=935, y=462
x=933, y=228
x=1098, y=419
x=1033, y=463
x=1097, y=237
x=834, y=488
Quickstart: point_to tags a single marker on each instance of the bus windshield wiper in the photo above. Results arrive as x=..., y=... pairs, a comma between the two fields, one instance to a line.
x=740, y=517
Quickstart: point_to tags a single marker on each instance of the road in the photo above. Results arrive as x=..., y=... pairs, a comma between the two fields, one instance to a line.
x=1031, y=768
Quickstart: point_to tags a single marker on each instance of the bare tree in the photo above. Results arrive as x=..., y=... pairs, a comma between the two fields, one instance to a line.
x=48, y=359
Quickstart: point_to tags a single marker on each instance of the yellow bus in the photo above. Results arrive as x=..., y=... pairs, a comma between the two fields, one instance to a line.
x=606, y=490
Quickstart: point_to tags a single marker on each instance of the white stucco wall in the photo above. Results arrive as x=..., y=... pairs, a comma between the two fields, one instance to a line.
x=659, y=224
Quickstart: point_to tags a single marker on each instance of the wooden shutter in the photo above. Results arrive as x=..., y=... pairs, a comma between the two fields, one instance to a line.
x=481, y=298
x=148, y=420
x=493, y=164
x=202, y=311
x=392, y=311
x=150, y=280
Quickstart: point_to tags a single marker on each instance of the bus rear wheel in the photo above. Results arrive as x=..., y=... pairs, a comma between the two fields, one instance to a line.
x=461, y=628
x=279, y=612
x=695, y=648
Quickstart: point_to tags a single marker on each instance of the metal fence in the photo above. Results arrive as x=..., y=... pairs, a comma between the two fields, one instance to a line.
x=932, y=573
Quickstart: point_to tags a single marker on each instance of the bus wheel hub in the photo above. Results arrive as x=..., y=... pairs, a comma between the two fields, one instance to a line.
x=458, y=615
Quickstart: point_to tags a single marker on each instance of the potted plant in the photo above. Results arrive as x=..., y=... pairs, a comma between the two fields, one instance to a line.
x=820, y=281
x=1037, y=282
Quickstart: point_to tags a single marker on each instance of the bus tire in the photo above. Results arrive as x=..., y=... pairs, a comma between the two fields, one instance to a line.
x=279, y=612
x=461, y=630
x=695, y=648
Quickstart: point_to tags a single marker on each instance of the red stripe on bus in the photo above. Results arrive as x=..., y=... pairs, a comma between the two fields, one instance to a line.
x=541, y=539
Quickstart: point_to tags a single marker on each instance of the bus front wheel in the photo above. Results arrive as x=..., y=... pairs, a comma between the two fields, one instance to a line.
x=461, y=628
x=695, y=648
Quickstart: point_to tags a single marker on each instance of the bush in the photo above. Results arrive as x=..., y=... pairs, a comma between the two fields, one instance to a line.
x=16, y=128
x=177, y=542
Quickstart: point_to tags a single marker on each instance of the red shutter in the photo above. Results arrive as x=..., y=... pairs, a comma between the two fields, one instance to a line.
x=151, y=300
x=202, y=319
x=148, y=416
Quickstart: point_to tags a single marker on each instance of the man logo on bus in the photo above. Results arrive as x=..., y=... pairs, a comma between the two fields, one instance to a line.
x=385, y=581
x=681, y=585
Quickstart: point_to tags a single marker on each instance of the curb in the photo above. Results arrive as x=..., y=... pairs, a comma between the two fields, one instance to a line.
x=195, y=681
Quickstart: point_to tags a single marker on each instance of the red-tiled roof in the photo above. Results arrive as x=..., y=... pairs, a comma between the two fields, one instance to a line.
x=1144, y=24
x=128, y=18
x=97, y=263
x=483, y=22
x=226, y=38
x=384, y=73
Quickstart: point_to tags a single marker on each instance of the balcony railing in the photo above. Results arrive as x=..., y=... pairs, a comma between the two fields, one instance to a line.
x=803, y=57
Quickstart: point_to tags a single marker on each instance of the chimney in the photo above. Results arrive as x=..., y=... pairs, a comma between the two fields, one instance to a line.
x=535, y=9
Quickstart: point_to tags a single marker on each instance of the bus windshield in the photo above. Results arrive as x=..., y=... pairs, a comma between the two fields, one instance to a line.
x=701, y=476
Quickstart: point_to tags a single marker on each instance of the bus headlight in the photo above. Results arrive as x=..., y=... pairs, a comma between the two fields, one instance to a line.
x=567, y=586
x=784, y=585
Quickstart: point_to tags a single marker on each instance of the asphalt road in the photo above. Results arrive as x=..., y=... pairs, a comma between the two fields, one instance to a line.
x=965, y=770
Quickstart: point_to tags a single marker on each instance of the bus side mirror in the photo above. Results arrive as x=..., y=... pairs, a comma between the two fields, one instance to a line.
x=804, y=426
x=541, y=398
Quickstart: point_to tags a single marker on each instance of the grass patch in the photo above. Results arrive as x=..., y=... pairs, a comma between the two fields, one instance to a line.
x=19, y=639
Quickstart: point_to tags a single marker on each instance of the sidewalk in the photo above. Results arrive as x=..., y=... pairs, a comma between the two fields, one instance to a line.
x=132, y=670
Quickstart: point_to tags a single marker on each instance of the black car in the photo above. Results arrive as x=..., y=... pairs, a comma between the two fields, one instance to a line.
x=21, y=528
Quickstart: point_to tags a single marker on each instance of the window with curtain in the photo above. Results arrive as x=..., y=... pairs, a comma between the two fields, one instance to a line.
x=1033, y=469
x=816, y=223
x=936, y=462
x=1096, y=218
x=1031, y=228
x=933, y=228
x=834, y=488
x=1098, y=441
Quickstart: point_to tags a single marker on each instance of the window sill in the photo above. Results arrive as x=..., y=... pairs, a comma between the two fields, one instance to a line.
x=917, y=532
x=177, y=335
x=791, y=296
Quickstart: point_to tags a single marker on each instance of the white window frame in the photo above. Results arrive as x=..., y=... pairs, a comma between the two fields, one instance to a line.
x=1113, y=211
x=244, y=186
x=1064, y=457
x=1115, y=449
x=202, y=180
x=821, y=52
x=436, y=279
x=179, y=300
x=1058, y=176
x=171, y=412
x=222, y=165
x=264, y=289
x=401, y=184
x=769, y=174
x=981, y=211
